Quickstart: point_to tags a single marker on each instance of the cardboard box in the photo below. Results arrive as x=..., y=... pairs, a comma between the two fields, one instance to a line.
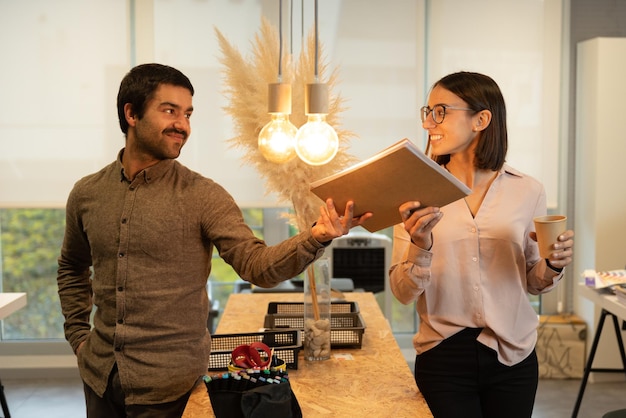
x=560, y=347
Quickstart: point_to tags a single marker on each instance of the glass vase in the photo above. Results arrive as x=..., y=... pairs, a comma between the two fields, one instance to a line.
x=317, y=311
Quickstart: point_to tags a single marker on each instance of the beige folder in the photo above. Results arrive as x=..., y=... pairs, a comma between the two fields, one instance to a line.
x=380, y=184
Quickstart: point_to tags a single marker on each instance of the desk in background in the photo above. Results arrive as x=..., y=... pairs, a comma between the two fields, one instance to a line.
x=610, y=308
x=11, y=302
x=377, y=382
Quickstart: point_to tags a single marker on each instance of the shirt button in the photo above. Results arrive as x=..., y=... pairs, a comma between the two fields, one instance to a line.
x=124, y=220
x=474, y=259
x=120, y=321
x=472, y=230
x=121, y=255
x=118, y=349
x=119, y=289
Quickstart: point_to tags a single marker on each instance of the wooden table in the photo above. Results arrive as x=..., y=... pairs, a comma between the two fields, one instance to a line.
x=377, y=381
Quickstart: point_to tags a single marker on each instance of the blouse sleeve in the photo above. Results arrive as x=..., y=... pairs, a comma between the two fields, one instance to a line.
x=410, y=267
x=540, y=278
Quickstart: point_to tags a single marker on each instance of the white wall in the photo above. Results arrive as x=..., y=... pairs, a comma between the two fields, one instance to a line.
x=600, y=187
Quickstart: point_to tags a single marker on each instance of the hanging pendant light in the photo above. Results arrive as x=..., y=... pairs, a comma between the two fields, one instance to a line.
x=316, y=142
x=277, y=137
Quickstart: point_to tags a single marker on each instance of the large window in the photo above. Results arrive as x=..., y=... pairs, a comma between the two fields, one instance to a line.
x=30, y=241
x=72, y=55
x=223, y=280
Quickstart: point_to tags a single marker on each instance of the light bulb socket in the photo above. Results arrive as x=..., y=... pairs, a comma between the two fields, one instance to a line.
x=279, y=98
x=316, y=99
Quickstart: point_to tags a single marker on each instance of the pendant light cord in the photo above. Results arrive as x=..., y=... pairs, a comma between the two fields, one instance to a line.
x=316, y=47
x=280, y=41
x=290, y=27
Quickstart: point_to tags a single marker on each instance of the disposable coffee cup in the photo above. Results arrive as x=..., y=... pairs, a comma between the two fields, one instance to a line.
x=548, y=229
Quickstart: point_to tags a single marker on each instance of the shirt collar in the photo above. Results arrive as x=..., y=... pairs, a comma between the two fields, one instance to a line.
x=510, y=170
x=148, y=174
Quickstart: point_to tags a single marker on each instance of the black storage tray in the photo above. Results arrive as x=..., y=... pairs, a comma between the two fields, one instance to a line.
x=298, y=307
x=346, y=329
x=286, y=344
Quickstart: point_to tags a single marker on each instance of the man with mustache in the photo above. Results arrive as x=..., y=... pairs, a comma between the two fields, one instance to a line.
x=146, y=226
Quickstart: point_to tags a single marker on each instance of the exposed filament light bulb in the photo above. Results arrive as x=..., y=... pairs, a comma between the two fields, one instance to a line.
x=277, y=137
x=316, y=141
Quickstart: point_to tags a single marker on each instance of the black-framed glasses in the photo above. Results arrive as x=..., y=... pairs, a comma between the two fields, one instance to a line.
x=438, y=112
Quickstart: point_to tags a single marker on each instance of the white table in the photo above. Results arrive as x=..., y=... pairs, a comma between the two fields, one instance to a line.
x=603, y=300
x=610, y=308
x=9, y=303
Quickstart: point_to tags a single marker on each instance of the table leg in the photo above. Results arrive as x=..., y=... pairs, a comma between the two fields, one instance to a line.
x=592, y=354
x=620, y=342
x=3, y=401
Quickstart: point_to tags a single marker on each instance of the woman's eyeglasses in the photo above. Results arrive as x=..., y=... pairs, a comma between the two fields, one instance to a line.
x=438, y=112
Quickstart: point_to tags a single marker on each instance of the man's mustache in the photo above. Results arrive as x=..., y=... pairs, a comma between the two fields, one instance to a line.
x=176, y=131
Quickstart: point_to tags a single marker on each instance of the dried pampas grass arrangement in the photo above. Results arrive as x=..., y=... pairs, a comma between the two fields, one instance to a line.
x=246, y=88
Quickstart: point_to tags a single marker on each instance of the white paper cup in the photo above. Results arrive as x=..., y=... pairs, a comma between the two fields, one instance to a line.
x=548, y=229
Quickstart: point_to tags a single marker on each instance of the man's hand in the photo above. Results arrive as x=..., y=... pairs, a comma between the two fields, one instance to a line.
x=330, y=225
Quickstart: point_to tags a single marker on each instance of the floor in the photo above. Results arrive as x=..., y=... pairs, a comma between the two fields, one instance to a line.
x=63, y=398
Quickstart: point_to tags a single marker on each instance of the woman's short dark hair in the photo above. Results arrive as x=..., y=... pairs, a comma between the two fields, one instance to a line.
x=481, y=92
x=139, y=85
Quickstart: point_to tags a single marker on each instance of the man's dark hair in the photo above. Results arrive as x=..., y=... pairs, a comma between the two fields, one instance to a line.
x=139, y=85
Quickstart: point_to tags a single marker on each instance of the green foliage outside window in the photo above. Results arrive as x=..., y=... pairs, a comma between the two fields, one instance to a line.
x=223, y=278
x=30, y=240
